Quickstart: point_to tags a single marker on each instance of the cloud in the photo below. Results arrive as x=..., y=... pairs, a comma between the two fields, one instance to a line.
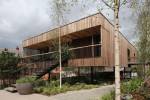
x=20, y=19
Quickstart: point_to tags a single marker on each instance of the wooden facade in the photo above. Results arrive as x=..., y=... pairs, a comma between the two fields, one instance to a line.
x=78, y=33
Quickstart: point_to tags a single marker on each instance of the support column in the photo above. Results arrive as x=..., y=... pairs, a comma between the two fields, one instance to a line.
x=78, y=71
x=49, y=76
x=92, y=74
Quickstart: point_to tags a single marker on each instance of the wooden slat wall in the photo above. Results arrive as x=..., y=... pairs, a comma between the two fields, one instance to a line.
x=108, y=46
x=85, y=23
x=86, y=62
x=107, y=35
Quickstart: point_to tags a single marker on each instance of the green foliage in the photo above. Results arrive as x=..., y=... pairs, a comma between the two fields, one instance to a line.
x=109, y=96
x=53, y=88
x=143, y=30
x=8, y=66
x=27, y=79
x=8, y=63
x=66, y=54
x=39, y=82
x=131, y=86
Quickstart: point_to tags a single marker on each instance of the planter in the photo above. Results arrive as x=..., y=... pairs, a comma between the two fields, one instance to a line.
x=24, y=88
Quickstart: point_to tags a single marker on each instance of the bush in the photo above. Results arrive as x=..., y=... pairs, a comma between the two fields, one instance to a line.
x=39, y=83
x=109, y=96
x=8, y=67
x=131, y=86
x=53, y=88
x=27, y=79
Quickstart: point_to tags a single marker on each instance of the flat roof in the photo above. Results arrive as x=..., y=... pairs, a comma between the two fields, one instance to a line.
x=99, y=13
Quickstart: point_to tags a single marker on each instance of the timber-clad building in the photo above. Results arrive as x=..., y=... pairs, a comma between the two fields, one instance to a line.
x=92, y=42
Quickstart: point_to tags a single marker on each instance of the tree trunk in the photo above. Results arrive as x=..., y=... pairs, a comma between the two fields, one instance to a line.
x=117, y=56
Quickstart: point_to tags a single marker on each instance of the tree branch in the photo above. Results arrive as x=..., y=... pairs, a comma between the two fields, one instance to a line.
x=107, y=4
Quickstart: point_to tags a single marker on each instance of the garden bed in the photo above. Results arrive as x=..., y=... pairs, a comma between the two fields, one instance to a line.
x=53, y=88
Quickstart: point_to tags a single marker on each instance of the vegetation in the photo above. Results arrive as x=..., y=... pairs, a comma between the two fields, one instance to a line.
x=109, y=96
x=143, y=24
x=27, y=79
x=131, y=86
x=8, y=66
x=53, y=88
x=127, y=87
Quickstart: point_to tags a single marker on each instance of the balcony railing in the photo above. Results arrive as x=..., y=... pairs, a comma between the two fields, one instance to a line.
x=88, y=51
x=132, y=59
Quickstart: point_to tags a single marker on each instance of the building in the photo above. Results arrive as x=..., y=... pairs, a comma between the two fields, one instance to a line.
x=16, y=50
x=92, y=42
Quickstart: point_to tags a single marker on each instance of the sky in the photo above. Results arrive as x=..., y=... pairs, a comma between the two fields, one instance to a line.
x=20, y=19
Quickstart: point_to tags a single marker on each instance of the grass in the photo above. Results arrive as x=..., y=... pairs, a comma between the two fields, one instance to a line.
x=53, y=88
x=131, y=86
x=127, y=87
x=109, y=96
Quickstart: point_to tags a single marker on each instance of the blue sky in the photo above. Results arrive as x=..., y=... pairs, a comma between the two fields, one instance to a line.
x=20, y=19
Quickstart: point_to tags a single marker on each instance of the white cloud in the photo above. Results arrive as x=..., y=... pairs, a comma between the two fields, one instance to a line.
x=20, y=19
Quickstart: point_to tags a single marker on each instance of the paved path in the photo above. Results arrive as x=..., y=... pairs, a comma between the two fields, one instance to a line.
x=71, y=95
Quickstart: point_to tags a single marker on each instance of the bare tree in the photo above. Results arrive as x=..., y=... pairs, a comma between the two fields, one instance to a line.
x=60, y=8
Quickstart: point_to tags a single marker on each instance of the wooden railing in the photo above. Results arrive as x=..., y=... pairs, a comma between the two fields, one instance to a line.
x=88, y=51
x=132, y=59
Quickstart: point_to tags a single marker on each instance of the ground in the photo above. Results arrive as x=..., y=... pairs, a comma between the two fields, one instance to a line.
x=91, y=94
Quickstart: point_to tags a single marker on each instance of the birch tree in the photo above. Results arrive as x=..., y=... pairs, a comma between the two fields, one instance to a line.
x=114, y=5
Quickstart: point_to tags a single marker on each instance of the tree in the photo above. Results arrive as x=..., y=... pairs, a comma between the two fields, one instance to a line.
x=60, y=8
x=114, y=5
x=8, y=64
x=143, y=24
x=142, y=14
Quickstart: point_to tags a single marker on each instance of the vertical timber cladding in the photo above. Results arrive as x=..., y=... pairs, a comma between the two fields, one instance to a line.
x=107, y=33
x=108, y=46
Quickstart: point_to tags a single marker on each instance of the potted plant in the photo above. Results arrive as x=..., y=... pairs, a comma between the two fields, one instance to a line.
x=25, y=85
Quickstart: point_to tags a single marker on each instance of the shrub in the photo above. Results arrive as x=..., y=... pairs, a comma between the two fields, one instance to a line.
x=53, y=88
x=8, y=67
x=38, y=89
x=131, y=86
x=109, y=96
x=39, y=83
x=27, y=79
